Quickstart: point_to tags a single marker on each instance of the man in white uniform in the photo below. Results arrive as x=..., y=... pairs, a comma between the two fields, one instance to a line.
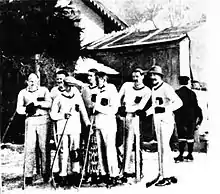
x=106, y=106
x=165, y=101
x=133, y=96
x=66, y=110
x=34, y=102
x=56, y=91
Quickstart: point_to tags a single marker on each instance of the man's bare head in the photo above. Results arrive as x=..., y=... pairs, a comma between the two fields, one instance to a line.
x=33, y=81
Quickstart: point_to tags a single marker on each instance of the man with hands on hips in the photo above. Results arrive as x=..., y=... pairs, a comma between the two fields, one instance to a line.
x=164, y=102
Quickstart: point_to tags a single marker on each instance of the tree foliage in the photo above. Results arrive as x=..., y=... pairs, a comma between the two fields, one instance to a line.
x=35, y=27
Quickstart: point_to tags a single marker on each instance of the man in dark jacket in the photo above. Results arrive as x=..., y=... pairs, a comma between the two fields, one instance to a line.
x=187, y=118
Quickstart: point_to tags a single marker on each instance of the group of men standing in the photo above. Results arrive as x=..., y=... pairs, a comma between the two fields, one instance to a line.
x=83, y=123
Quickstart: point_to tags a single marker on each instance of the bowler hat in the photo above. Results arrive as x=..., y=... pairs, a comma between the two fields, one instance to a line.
x=70, y=81
x=156, y=70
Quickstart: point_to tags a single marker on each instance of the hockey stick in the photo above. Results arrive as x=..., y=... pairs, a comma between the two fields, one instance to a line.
x=9, y=124
x=157, y=127
x=87, y=150
x=52, y=181
x=137, y=151
x=25, y=136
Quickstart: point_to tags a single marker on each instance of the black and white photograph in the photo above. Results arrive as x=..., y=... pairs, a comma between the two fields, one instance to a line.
x=108, y=96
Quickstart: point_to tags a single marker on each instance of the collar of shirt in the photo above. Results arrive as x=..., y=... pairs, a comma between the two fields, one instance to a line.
x=92, y=87
x=102, y=89
x=138, y=88
x=61, y=89
x=28, y=89
x=158, y=86
x=68, y=95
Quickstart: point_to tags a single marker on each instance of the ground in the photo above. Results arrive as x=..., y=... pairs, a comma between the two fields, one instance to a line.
x=192, y=176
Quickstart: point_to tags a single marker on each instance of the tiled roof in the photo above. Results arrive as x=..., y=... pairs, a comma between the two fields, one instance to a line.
x=135, y=36
x=101, y=9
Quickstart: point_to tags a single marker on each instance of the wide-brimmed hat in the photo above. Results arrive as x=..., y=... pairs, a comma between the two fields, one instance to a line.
x=70, y=81
x=156, y=70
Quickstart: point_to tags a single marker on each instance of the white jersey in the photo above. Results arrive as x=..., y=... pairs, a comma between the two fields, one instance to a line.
x=87, y=93
x=26, y=97
x=55, y=91
x=133, y=98
x=169, y=99
x=69, y=104
x=107, y=103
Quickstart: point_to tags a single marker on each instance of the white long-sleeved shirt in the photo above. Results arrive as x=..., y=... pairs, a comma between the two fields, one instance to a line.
x=87, y=93
x=170, y=100
x=128, y=93
x=66, y=103
x=107, y=103
x=26, y=97
x=55, y=91
x=110, y=93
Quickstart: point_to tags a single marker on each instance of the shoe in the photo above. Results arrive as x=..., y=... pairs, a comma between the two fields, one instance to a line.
x=46, y=178
x=189, y=157
x=28, y=181
x=173, y=179
x=163, y=182
x=123, y=179
x=57, y=178
x=179, y=158
x=74, y=179
x=63, y=181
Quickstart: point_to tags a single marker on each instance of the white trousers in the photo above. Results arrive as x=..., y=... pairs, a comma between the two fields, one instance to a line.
x=62, y=163
x=166, y=129
x=36, y=128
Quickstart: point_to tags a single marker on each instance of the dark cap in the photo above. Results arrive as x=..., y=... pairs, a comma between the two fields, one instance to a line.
x=183, y=80
x=100, y=74
x=138, y=69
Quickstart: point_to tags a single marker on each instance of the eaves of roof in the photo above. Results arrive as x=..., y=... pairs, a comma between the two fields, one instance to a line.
x=100, y=9
x=134, y=37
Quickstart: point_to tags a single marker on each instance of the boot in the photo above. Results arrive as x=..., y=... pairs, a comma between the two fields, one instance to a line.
x=28, y=181
x=189, y=157
x=46, y=177
x=179, y=159
x=181, y=150
x=63, y=181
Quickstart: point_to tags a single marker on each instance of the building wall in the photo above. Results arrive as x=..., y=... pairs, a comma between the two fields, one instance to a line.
x=184, y=58
x=92, y=24
x=125, y=59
